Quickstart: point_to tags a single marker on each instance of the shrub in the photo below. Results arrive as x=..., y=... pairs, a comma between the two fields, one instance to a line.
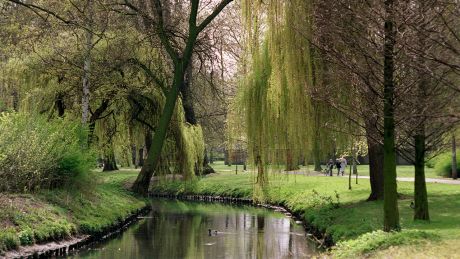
x=443, y=164
x=26, y=237
x=39, y=153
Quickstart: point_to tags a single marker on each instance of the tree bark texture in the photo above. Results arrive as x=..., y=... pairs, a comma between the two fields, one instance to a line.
x=375, y=153
x=391, y=212
x=420, y=193
x=87, y=66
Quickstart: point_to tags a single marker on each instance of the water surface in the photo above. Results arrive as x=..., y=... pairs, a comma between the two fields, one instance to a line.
x=180, y=229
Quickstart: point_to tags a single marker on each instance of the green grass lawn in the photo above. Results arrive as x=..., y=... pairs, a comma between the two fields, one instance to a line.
x=401, y=170
x=97, y=204
x=316, y=199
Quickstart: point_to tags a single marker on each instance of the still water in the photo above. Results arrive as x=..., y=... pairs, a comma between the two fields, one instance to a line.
x=180, y=229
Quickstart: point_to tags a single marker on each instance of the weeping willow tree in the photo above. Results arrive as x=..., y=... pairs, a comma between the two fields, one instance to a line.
x=275, y=94
x=286, y=123
x=123, y=123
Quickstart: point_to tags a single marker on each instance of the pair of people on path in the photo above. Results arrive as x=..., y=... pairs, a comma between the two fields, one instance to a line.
x=340, y=164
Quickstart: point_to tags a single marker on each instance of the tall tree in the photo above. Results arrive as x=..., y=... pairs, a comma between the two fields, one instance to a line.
x=180, y=60
x=391, y=211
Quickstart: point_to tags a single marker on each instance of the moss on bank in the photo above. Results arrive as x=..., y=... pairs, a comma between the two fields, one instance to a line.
x=344, y=215
x=103, y=201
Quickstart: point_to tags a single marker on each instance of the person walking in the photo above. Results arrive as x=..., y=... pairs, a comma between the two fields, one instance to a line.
x=337, y=165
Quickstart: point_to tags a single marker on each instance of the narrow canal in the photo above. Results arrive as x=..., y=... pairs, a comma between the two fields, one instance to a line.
x=181, y=229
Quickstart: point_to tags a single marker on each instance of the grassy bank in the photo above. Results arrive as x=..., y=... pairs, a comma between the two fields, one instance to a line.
x=344, y=215
x=97, y=204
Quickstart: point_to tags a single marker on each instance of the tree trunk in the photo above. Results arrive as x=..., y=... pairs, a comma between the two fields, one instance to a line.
x=454, y=158
x=87, y=66
x=141, y=185
x=211, y=156
x=349, y=179
x=420, y=193
x=207, y=169
x=317, y=137
x=316, y=156
x=110, y=163
x=290, y=165
x=148, y=140
x=351, y=169
x=353, y=164
x=134, y=155
x=59, y=104
x=375, y=153
x=227, y=160
x=261, y=176
x=189, y=112
x=140, y=161
x=390, y=211
x=186, y=93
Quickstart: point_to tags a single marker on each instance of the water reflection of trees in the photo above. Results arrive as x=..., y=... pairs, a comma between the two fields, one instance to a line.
x=180, y=230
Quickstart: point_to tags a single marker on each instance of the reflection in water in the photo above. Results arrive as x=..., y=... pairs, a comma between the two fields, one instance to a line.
x=177, y=229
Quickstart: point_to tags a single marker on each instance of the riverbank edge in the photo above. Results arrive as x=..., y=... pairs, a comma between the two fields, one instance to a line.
x=322, y=239
x=75, y=242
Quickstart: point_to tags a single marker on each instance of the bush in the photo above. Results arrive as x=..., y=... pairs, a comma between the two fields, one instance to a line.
x=443, y=164
x=37, y=153
x=26, y=237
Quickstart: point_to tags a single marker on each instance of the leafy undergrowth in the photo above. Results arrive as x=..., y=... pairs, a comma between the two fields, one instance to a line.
x=344, y=215
x=57, y=214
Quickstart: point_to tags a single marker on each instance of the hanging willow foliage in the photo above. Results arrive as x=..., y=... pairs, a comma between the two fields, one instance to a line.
x=275, y=92
x=183, y=152
x=189, y=144
x=281, y=73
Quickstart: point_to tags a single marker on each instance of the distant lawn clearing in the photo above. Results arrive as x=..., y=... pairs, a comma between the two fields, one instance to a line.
x=401, y=170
